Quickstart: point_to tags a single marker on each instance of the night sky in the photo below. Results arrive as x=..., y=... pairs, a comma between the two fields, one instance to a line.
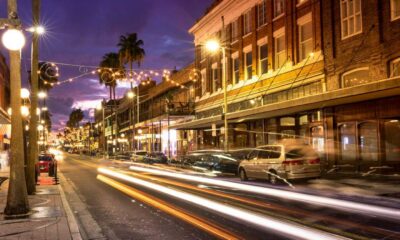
x=81, y=32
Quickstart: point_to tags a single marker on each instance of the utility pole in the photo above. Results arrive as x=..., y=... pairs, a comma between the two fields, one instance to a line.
x=33, y=131
x=17, y=198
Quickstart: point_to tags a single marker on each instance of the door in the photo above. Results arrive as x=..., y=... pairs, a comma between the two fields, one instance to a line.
x=261, y=164
x=250, y=164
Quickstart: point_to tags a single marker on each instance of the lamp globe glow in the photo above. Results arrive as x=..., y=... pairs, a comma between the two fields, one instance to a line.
x=24, y=111
x=130, y=94
x=40, y=30
x=25, y=93
x=13, y=39
x=42, y=95
x=99, y=107
x=212, y=45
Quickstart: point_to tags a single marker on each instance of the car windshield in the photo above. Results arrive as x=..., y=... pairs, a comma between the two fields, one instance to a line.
x=45, y=158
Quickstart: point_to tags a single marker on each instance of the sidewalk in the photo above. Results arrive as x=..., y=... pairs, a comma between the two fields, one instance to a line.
x=50, y=217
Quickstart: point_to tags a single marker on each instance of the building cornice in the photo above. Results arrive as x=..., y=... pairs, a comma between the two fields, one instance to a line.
x=211, y=22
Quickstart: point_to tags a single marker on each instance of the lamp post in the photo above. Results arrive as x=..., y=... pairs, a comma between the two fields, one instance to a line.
x=100, y=107
x=14, y=40
x=131, y=95
x=214, y=46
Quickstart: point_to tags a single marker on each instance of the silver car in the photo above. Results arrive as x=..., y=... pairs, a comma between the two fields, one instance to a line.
x=273, y=162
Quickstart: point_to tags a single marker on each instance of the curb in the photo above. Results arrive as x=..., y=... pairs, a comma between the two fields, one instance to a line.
x=72, y=223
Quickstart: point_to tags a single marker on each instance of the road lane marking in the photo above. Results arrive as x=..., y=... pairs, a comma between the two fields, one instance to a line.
x=281, y=227
x=157, y=203
x=302, y=197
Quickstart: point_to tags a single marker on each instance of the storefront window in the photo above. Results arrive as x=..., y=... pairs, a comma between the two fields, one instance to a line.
x=317, y=138
x=241, y=135
x=288, y=134
x=368, y=141
x=288, y=121
x=303, y=119
x=392, y=140
x=347, y=142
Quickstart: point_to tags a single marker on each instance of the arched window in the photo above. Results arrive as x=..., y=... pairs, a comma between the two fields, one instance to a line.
x=355, y=77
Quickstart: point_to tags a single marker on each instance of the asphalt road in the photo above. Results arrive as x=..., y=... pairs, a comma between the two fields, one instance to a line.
x=138, y=205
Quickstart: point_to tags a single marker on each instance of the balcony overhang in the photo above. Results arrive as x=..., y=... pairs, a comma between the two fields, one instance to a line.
x=369, y=91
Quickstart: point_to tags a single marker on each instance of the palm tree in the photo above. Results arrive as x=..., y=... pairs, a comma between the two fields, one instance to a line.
x=110, y=66
x=75, y=117
x=131, y=50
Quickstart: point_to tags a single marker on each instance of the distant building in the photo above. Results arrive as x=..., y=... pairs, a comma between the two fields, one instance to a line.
x=160, y=105
x=324, y=72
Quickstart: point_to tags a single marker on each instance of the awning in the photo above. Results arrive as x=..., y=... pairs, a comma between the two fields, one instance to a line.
x=198, y=124
x=369, y=91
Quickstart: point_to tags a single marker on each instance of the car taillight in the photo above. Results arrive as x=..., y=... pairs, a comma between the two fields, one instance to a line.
x=314, y=161
x=292, y=162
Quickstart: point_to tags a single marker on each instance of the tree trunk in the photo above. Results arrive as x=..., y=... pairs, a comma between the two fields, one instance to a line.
x=33, y=134
x=17, y=198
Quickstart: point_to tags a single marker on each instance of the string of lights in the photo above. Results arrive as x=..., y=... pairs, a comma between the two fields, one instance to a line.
x=136, y=76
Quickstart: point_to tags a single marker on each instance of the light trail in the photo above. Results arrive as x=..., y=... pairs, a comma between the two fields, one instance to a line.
x=278, y=226
x=302, y=197
x=261, y=204
x=159, y=204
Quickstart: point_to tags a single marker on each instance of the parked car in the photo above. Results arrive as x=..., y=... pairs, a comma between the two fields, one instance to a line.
x=155, y=157
x=212, y=161
x=47, y=164
x=280, y=161
x=138, y=156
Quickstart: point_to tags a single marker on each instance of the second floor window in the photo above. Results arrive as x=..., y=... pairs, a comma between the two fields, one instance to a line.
x=280, y=51
x=279, y=7
x=214, y=79
x=262, y=13
x=203, y=81
x=249, y=64
x=263, y=53
x=395, y=68
x=235, y=65
x=235, y=30
x=247, y=23
x=394, y=9
x=351, y=17
x=305, y=40
x=355, y=77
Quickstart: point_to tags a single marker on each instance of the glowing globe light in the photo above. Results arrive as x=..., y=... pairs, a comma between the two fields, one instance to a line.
x=42, y=95
x=13, y=39
x=212, y=45
x=25, y=93
x=130, y=94
x=24, y=111
x=40, y=30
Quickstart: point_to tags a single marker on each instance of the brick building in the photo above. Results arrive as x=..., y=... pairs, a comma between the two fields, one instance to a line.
x=324, y=72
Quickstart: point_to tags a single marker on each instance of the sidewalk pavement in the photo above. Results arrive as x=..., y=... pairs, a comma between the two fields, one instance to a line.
x=50, y=217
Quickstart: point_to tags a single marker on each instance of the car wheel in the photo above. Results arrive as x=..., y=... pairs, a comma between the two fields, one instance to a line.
x=242, y=175
x=273, y=179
